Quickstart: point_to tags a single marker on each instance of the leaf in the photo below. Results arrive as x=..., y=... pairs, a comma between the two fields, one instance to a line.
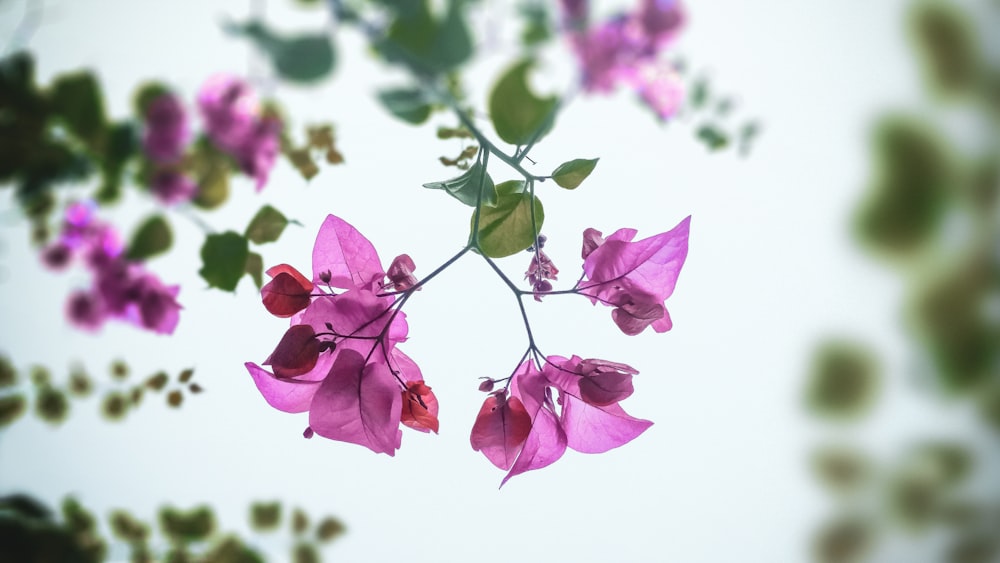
x=506, y=229
x=211, y=169
x=429, y=46
x=224, y=259
x=844, y=380
x=570, y=174
x=465, y=188
x=76, y=99
x=713, y=137
x=255, y=268
x=500, y=430
x=519, y=116
x=301, y=58
x=266, y=226
x=122, y=144
x=151, y=238
x=407, y=104
x=947, y=42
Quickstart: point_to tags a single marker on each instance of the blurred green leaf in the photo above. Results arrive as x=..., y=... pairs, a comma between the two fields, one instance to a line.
x=424, y=43
x=571, y=174
x=77, y=101
x=255, y=268
x=974, y=547
x=507, y=228
x=713, y=137
x=519, y=116
x=224, y=259
x=114, y=405
x=466, y=187
x=8, y=375
x=300, y=522
x=232, y=550
x=128, y=528
x=157, y=381
x=305, y=553
x=40, y=376
x=51, y=404
x=265, y=516
x=211, y=170
x=151, y=238
x=185, y=375
x=301, y=58
x=845, y=539
x=947, y=43
x=12, y=406
x=175, y=398
x=77, y=518
x=913, y=184
x=407, y=104
x=536, y=23
x=843, y=469
x=266, y=226
x=119, y=369
x=145, y=95
x=79, y=382
x=843, y=381
x=187, y=526
x=329, y=528
x=122, y=144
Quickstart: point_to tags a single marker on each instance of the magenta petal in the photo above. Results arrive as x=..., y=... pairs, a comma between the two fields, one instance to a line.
x=358, y=403
x=594, y=430
x=546, y=443
x=346, y=254
x=407, y=368
x=500, y=430
x=283, y=394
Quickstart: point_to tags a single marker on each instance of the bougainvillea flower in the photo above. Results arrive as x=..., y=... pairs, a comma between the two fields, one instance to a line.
x=157, y=304
x=420, y=407
x=546, y=442
x=171, y=187
x=166, y=131
x=400, y=273
x=635, y=277
x=287, y=293
x=258, y=150
x=339, y=360
x=540, y=270
x=500, y=429
x=660, y=87
x=85, y=310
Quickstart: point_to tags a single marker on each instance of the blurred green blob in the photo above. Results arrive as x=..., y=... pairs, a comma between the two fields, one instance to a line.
x=122, y=143
x=265, y=516
x=984, y=186
x=712, y=136
x=187, y=526
x=8, y=375
x=11, y=408
x=40, y=375
x=508, y=228
x=571, y=174
x=135, y=396
x=114, y=406
x=329, y=528
x=844, y=380
x=175, y=398
x=29, y=533
x=266, y=226
x=157, y=381
x=407, y=104
x=76, y=100
x=185, y=375
x=232, y=550
x=945, y=40
x=950, y=313
x=989, y=405
x=466, y=188
x=77, y=518
x=846, y=539
x=303, y=58
x=699, y=93
x=210, y=167
x=153, y=237
x=915, y=497
x=843, y=469
x=519, y=115
x=949, y=463
x=146, y=94
x=119, y=369
x=974, y=547
x=300, y=522
x=305, y=553
x=179, y=554
x=912, y=186
x=427, y=44
x=51, y=404
x=536, y=23
x=80, y=384
x=128, y=528
x=224, y=259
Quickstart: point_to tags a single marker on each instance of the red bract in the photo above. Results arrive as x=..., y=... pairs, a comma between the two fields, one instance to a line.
x=287, y=293
x=339, y=359
x=501, y=428
x=634, y=277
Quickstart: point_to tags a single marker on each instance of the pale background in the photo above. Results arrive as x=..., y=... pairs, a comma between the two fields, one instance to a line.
x=722, y=475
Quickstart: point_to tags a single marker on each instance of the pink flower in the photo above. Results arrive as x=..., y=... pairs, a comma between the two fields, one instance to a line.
x=635, y=278
x=171, y=187
x=234, y=123
x=166, y=129
x=540, y=270
x=339, y=359
x=570, y=403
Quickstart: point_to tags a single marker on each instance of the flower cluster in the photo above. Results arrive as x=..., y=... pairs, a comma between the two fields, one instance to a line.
x=233, y=122
x=569, y=403
x=339, y=359
x=626, y=49
x=121, y=289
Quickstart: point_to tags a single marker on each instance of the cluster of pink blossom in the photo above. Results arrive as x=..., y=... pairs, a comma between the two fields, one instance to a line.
x=234, y=123
x=625, y=49
x=339, y=359
x=121, y=289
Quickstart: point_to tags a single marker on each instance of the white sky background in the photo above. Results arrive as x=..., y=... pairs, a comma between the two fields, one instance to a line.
x=720, y=477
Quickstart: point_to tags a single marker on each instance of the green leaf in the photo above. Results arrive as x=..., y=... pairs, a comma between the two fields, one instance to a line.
x=465, y=188
x=266, y=226
x=146, y=94
x=424, y=43
x=570, y=174
x=151, y=238
x=255, y=267
x=76, y=99
x=122, y=144
x=191, y=525
x=844, y=380
x=712, y=136
x=302, y=58
x=947, y=42
x=407, y=104
x=519, y=116
x=211, y=169
x=224, y=260
x=12, y=406
x=506, y=229
x=265, y=516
